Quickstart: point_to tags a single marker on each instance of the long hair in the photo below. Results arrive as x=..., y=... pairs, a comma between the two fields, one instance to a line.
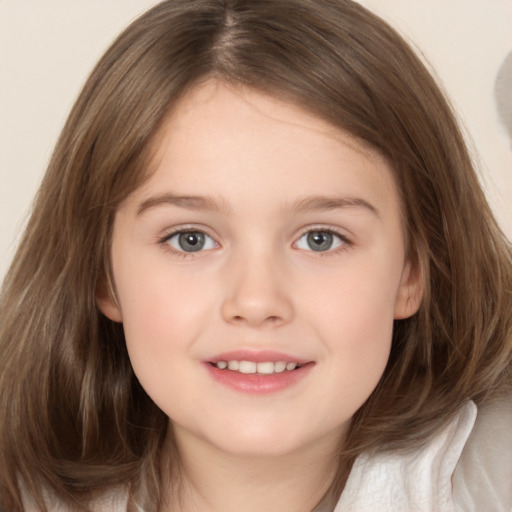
x=74, y=420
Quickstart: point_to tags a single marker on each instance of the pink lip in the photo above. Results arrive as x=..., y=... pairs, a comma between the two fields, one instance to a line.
x=254, y=383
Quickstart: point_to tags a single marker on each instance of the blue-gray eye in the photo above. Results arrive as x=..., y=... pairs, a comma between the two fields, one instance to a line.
x=191, y=241
x=319, y=241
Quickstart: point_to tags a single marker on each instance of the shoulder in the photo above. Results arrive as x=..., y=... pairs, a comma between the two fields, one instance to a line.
x=466, y=467
x=483, y=475
x=114, y=500
x=418, y=479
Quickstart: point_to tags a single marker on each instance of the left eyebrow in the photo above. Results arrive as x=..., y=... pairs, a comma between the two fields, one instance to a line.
x=318, y=203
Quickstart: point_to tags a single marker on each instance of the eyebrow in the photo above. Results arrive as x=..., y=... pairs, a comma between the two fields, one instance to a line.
x=301, y=205
x=321, y=203
x=187, y=202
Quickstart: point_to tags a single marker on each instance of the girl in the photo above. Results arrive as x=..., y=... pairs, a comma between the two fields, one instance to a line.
x=260, y=274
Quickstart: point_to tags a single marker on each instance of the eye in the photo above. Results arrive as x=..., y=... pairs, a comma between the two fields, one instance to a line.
x=320, y=241
x=190, y=241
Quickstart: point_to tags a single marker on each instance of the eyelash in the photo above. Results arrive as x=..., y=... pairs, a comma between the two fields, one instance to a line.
x=164, y=241
x=346, y=243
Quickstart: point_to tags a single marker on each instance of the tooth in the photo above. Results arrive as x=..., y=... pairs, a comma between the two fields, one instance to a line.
x=233, y=365
x=280, y=366
x=266, y=368
x=247, y=367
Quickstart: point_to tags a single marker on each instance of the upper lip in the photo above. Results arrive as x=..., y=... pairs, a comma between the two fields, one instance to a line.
x=257, y=356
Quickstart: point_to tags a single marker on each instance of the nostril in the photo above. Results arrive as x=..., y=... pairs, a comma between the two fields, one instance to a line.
x=271, y=319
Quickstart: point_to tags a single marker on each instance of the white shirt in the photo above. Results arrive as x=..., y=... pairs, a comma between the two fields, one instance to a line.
x=466, y=467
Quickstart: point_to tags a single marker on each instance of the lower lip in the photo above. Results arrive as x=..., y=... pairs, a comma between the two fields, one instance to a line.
x=258, y=384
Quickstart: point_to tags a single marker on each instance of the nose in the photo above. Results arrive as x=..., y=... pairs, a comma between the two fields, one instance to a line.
x=257, y=293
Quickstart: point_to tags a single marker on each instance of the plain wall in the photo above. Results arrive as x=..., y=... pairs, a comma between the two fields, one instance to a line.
x=47, y=49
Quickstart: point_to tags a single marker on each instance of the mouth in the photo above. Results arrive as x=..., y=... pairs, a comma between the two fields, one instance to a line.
x=260, y=368
x=258, y=372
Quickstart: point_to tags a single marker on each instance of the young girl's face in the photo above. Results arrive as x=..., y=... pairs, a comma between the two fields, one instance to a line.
x=265, y=240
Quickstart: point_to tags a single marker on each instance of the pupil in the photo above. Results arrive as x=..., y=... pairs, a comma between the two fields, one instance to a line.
x=191, y=242
x=320, y=240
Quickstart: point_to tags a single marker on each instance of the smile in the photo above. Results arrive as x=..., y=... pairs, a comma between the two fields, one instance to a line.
x=261, y=368
x=258, y=372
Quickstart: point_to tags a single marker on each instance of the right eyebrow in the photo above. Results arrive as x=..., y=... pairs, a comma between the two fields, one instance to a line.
x=187, y=202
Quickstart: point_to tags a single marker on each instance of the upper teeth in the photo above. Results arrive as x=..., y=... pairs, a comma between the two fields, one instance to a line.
x=266, y=368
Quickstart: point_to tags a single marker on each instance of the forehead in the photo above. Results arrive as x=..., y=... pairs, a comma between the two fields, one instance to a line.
x=214, y=101
x=228, y=137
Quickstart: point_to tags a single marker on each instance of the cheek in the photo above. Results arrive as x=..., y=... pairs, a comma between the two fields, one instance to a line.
x=358, y=333
x=162, y=322
x=358, y=343
x=354, y=318
x=359, y=298
x=163, y=312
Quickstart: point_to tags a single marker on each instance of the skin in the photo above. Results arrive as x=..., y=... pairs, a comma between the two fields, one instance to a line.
x=256, y=285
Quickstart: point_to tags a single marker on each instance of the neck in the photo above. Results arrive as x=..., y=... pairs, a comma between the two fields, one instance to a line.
x=215, y=481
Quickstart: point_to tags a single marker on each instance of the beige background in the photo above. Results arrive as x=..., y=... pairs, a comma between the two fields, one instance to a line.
x=47, y=48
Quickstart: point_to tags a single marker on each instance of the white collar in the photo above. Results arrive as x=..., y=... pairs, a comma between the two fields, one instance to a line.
x=418, y=481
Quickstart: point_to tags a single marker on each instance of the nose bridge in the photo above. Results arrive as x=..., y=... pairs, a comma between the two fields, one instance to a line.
x=257, y=291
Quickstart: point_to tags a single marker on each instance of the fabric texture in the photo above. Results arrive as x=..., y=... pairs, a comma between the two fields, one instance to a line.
x=483, y=478
x=417, y=481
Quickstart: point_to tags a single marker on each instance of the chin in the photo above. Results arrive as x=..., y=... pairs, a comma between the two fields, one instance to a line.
x=261, y=440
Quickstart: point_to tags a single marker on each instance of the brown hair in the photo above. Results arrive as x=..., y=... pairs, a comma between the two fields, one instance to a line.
x=73, y=418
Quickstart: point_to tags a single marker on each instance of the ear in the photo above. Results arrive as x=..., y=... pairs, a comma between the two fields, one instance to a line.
x=107, y=303
x=410, y=293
